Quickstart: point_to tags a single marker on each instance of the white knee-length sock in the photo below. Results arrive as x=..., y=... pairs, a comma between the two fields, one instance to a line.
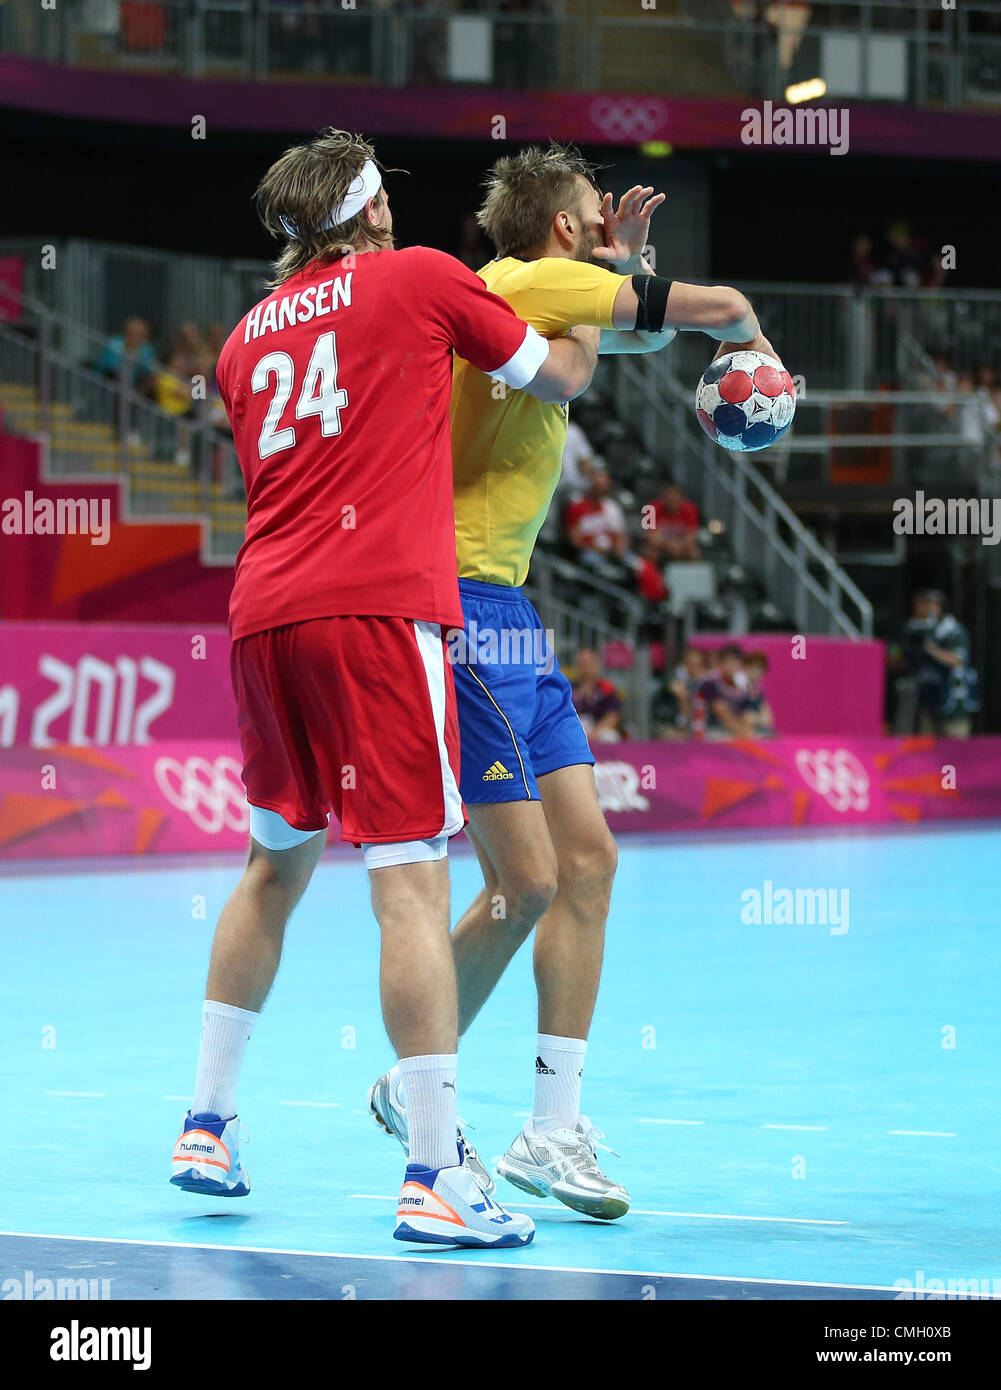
x=428, y=1085
x=559, y=1064
x=225, y=1033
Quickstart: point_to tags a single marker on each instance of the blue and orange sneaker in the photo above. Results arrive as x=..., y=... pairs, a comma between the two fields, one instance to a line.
x=207, y=1157
x=447, y=1206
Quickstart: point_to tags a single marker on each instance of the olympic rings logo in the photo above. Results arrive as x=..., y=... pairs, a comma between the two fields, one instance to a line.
x=628, y=117
x=838, y=777
x=211, y=793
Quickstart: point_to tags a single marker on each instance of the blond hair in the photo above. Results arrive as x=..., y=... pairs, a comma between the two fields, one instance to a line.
x=302, y=186
x=525, y=191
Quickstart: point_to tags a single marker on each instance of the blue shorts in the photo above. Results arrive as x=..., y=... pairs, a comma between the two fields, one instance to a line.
x=516, y=716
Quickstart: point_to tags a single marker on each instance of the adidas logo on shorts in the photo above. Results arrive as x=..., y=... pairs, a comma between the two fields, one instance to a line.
x=497, y=772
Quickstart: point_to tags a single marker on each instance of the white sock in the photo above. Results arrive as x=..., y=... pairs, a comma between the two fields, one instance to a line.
x=225, y=1033
x=428, y=1085
x=559, y=1063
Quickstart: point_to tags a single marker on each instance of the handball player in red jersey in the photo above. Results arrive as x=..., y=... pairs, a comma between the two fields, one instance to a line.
x=337, y=387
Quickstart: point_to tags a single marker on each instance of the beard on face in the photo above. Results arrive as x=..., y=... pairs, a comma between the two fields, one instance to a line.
x=586, y=242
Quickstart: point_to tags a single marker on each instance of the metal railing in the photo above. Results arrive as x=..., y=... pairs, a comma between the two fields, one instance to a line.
x=839, y=337
x=940, y=55
x=862, y=338
x=765, y=535
x=102, y=284
x=902, y=437
x=844, y=342
x=600, y=615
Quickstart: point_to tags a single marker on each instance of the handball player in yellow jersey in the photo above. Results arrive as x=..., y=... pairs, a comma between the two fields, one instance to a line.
x=567, y=261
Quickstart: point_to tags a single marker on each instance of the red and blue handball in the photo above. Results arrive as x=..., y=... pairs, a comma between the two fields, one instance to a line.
x=745, y=401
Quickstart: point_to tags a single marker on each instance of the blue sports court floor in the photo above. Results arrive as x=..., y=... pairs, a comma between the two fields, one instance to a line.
x=800, y=1114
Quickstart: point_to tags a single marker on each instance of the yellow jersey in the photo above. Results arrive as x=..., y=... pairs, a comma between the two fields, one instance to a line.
x=507, y=447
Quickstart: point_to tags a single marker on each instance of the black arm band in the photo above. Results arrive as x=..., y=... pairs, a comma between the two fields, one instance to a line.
x=651, y=302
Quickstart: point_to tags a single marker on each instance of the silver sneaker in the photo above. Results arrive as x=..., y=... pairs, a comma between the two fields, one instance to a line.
x=386, y=1110
x=564, y=1164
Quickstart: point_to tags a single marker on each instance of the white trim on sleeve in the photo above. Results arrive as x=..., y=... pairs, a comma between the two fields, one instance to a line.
x=519, y=370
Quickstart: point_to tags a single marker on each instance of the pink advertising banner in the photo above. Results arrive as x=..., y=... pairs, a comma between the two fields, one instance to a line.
x=186, y=797
x=817, y=685
x=466, y=112
x=113, y=684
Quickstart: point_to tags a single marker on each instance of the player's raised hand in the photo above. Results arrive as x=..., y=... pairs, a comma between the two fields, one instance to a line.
x=627, y=228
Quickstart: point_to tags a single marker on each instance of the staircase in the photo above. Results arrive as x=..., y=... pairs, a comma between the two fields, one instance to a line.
x=170, y=469
x=765, y=537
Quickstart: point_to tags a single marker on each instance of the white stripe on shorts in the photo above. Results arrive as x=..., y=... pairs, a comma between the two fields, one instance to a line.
x=433, y=653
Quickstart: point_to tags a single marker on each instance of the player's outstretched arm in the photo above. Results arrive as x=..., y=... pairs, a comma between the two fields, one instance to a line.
x=719, y=311
x=651, y=303
x=569, y=367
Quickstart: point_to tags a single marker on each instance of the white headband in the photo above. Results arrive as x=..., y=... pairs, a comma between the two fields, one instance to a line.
x=366, y=185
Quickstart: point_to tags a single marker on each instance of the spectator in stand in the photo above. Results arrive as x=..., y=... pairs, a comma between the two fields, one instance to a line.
x=862, y=268
x=676, y=525
x=578, y=459
x=428, y=41
x=672, y=710
x=975, y=416
x=190, y=355
x=595, y=523
x=596, y=700
x=131, y=348
x=990, y=393
x=189, y=359
x=944, y=378
x=214, y=341
x=789, y=18
x=649, y=576
x=719, y=704
x=908, y=259
x=756, y=706
x=936, y=652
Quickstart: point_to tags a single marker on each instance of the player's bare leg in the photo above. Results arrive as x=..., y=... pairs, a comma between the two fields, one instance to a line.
x=570, y=936
x=519, y=845
x=518, y=861
x=554, y=1154
x=248, y=939
x=245, y=955
x=417, y=972
x=442, y=1200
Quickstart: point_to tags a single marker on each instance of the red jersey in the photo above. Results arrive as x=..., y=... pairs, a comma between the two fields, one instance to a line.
x=337, y=387
x=599, y=522
x=676, y=523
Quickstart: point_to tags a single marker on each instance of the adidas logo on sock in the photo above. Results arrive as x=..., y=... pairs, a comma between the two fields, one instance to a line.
x=497, y=772
x=542, y=1070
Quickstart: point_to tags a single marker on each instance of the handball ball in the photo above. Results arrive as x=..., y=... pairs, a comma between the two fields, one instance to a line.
x=745, y=401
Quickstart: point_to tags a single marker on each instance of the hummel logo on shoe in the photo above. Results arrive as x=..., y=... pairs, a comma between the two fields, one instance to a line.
x=497, y=772
x=542, y=1070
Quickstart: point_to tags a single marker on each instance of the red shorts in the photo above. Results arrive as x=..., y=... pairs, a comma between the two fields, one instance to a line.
x=354, y=716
